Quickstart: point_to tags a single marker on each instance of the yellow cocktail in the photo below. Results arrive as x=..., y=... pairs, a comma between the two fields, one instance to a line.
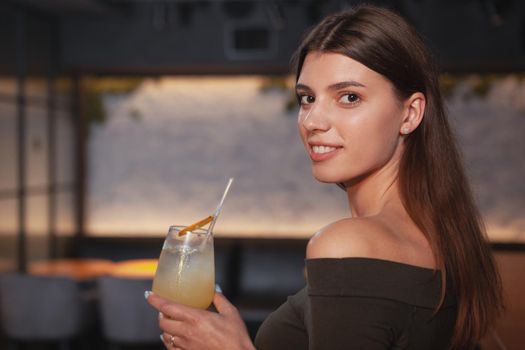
x=186, y=271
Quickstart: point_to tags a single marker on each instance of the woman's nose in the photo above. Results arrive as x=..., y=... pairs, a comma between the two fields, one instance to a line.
x=314, y=118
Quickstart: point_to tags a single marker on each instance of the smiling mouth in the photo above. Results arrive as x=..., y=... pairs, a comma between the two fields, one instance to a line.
x=323, y=149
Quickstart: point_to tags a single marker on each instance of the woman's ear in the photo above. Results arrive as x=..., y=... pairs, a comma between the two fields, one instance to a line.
x=413, y=111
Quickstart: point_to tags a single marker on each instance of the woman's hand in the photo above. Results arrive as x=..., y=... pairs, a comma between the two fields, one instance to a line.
x=190, y=328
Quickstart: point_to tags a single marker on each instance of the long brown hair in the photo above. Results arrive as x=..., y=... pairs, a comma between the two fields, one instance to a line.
x=433, y=185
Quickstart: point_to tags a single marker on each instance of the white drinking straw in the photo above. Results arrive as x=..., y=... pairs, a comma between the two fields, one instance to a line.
x=219, y=207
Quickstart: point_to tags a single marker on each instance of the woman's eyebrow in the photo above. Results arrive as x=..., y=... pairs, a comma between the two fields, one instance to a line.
x=302, y=87
x=345, y=84
x=333, y=87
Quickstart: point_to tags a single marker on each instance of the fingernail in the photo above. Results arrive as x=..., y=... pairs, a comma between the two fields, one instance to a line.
x=218, y=288
x=147, y=294
x=161, y=316
x=161, y=338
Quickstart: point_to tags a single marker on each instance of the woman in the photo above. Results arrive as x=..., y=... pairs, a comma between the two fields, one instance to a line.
x=410, y=268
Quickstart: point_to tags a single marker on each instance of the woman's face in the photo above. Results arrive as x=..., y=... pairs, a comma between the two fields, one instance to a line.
x=349, y=118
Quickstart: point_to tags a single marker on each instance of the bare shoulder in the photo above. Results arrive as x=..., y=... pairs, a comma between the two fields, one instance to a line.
x=371, y=237
x=351, y=237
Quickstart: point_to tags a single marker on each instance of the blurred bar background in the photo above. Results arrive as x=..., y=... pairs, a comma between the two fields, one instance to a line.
x=119, y=118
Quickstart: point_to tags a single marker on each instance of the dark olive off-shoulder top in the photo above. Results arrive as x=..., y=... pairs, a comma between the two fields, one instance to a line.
x=362, y=304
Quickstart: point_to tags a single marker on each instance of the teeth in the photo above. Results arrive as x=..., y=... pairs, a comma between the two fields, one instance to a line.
x=322, y=149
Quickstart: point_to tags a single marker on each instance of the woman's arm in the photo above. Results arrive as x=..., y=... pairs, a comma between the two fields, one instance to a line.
x=189, y=328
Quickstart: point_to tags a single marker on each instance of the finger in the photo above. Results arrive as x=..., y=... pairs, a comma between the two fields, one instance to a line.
x=222, y=304
x=170, y=309
x=154, y=300
x=174, y=327
x=165, y=340
x=171, y=342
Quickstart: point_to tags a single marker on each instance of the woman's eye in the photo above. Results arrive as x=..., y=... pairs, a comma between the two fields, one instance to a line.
x=349, y=99
x=306, y=99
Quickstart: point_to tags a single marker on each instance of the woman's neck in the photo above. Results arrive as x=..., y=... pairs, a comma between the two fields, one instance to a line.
x=371, y=194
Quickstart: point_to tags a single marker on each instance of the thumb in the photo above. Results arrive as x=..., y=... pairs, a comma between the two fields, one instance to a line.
x=222, y=304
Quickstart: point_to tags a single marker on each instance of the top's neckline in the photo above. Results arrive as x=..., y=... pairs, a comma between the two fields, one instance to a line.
x=377, y=278
x=385, y=261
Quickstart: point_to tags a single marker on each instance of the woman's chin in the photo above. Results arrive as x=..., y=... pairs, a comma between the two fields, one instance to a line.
x=327, y=178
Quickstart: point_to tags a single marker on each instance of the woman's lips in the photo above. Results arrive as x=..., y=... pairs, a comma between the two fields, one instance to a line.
x=320, y=153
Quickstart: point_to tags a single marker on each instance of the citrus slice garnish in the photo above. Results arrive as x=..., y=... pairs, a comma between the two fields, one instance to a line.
x=196, y=225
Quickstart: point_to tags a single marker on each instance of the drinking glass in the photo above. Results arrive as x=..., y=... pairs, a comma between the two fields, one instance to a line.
x=186, y=271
